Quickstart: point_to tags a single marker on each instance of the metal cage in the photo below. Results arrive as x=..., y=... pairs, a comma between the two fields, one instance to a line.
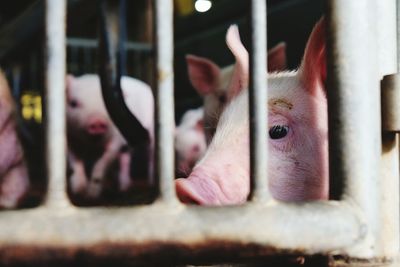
x=361, y=228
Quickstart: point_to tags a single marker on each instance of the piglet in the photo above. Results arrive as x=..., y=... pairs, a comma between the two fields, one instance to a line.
x=211, y=82
x=14, y=183
x=298, y=135
x=94, y=140
x=190, y=140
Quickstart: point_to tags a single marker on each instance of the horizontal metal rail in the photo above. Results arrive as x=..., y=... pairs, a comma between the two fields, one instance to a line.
x=189, y=226
x=93, y=43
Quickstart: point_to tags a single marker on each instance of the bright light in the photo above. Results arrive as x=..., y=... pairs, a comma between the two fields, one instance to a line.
x=202, y=5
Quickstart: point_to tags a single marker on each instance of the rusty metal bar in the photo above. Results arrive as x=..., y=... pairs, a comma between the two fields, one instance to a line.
x=258, y=99
x=55, y=103
x=165, y=99
x=152, y=226
x=354, y=109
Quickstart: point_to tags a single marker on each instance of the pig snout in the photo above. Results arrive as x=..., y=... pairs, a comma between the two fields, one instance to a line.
x=221, y=177
x=214, y=185
x=97, y=126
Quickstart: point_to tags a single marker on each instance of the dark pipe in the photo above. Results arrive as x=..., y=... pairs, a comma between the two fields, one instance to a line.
x=112, y=64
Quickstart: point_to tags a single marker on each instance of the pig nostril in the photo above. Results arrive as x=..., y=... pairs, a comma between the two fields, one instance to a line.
x=196, y=149
x=97, y=127
x=184, y=193
x=188, y=200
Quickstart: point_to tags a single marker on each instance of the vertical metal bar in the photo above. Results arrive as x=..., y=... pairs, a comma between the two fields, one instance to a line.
x=388, y=241
x=55, y=103
x=398, y=33
x=386, y=36
x=16, y=80
x=165, y=98
x=74, y=52
x=87, y=60
x=258, y=102
x=122, y=36
x=354, y=106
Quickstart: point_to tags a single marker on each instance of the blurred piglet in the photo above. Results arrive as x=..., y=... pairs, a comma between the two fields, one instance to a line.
x=190, y=140
x=298, y=135
x=94, y=139
x=211, y=82
x=14, y=182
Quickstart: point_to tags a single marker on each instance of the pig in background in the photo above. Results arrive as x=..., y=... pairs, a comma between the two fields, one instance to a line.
x=190, y=140
x=96, y=148
x=298, y=134
x=211, y=82
x=14, y=183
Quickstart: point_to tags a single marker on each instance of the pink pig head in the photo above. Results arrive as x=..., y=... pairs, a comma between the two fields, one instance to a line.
x=297, y=134
x=85, y=108
x=211, y=82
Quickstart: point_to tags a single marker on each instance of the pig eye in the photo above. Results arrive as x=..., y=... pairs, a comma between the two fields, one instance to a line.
x=73, y=103
x=278, y=131
x=222, y=99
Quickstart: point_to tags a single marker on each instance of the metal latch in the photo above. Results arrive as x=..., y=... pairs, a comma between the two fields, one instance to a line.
x=390, y=102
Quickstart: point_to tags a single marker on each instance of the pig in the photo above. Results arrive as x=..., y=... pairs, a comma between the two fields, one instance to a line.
x=190, y=140
x=93, y=137
x=14, y=183
x=211, y=82
x=297, y=136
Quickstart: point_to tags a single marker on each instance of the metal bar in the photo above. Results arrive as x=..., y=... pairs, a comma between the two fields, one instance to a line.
x=93, y=43
x=354, y=108
x=16, y=80
x=165, y=98
x=398, y=33
x=110, y=75
x=156, y=226
x=389, y=48
x=55, y=104
x=87, y=60
x=122, y=37
x=258, y=99
x=386, y=36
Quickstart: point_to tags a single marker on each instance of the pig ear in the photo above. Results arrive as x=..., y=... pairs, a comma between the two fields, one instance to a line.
x=203, y=74
x=277, y=57
x=240, y=75
x=313, y=67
